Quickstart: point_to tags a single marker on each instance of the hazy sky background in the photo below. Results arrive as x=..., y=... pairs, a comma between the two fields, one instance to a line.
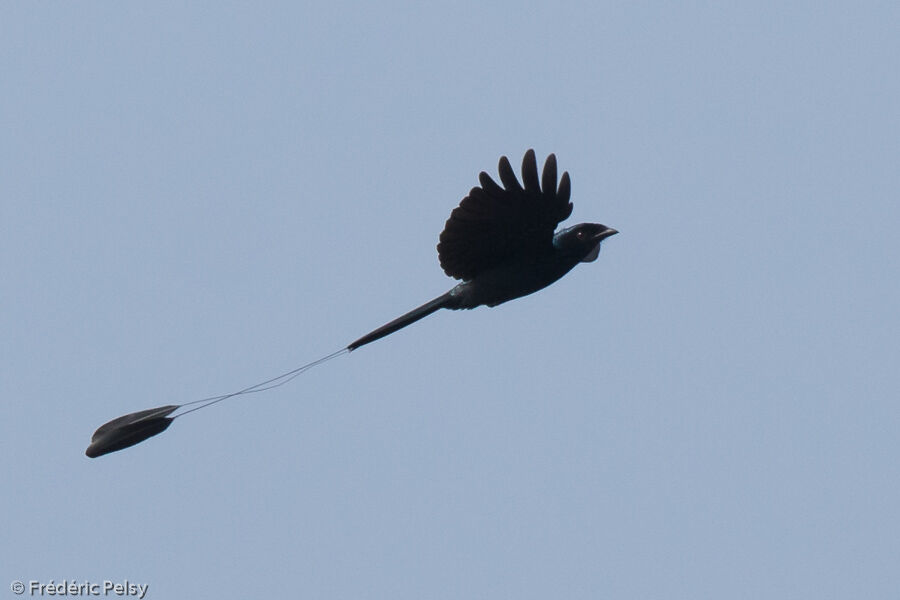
x=196, y=198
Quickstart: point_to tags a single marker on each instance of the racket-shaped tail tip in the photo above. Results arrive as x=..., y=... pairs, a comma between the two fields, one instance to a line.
x=129, y=430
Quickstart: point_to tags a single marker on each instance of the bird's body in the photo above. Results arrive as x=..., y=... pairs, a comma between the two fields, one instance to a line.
x=500, y=241
x=502, y=283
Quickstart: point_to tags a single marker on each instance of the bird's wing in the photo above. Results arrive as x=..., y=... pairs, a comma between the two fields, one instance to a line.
x=493, y=224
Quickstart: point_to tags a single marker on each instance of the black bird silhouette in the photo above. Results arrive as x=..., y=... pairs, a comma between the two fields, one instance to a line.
x=499, y=241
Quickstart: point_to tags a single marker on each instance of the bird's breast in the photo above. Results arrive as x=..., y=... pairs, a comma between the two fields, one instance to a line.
x=508, y=282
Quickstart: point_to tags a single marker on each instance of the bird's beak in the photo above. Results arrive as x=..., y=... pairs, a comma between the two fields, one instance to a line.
x=609, y=231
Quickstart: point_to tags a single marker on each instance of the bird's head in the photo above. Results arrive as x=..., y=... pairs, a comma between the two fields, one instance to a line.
x=582, y=240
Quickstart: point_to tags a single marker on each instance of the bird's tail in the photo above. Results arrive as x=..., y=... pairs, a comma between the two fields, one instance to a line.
x=443, y=301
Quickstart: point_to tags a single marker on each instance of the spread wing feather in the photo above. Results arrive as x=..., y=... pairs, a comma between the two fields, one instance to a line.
x=494, y=224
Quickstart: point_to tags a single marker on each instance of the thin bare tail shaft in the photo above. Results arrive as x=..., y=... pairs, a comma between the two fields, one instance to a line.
x=412, y=316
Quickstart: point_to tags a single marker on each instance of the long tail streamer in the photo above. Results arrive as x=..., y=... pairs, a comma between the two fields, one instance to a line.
x=133, y=428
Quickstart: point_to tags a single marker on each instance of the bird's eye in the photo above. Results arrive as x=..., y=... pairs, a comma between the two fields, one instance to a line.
x=579, y=235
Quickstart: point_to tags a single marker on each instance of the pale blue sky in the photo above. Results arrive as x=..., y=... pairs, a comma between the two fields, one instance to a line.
x=197, y=198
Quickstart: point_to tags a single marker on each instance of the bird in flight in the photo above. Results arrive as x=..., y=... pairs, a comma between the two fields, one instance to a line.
x=500, y=242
